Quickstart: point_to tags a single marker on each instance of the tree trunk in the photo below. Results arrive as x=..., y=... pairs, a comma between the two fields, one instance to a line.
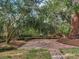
x=74, y=25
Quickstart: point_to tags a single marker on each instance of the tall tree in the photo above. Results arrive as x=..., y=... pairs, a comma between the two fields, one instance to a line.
x=14, y=14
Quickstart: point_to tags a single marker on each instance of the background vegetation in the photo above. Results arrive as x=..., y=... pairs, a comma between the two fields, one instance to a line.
x=35, y=17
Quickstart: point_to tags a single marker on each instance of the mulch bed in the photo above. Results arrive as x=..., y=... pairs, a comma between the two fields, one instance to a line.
x=74, y=42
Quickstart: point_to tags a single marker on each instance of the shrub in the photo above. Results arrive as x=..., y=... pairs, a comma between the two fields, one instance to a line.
x=25, y=37
x=64, y=28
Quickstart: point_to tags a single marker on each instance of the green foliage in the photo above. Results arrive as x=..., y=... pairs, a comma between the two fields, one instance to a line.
x=72, y=6
x=13, y=17
x=30, y=31
x=55, y=12
x=27, y=18
x=64, y=28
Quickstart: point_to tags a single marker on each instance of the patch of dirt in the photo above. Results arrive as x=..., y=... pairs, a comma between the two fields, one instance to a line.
x=74, y=42
x=17, y=43
x=46, y=43
x=51, y=44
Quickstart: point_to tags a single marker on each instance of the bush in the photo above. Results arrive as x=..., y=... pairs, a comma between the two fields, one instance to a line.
x=64, y=28
x=25, y=37
x=30, y=31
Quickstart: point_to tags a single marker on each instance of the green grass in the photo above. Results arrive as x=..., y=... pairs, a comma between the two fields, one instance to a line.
x=26, y=54
x=38, y=54
x=71, y=53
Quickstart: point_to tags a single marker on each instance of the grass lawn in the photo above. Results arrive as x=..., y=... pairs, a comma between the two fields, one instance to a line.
x=26, y=54
x=71, y=53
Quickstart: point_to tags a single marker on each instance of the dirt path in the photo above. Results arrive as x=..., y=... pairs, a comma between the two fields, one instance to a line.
x=50, y=44
x=45, y=43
